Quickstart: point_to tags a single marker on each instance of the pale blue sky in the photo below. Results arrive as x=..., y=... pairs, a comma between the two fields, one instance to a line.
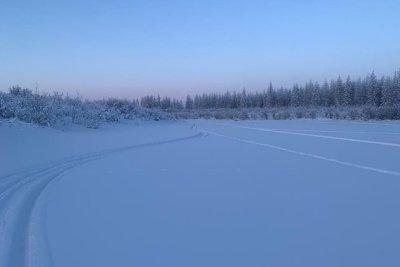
x=130, y=48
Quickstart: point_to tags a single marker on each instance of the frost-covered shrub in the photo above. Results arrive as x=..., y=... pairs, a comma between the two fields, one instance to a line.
x=5, y=106
x=381, y=113
x=57, y=110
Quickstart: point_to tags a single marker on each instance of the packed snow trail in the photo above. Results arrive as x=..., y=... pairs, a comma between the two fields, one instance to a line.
x=349, y=164
x=317, y=136
x=19, y=195
x=331, y=131
x=361, y=122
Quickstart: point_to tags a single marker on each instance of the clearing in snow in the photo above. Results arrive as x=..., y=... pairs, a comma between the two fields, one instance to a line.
x=201, y=193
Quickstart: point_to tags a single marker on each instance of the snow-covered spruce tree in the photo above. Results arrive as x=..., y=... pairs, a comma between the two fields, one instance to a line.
x=348, y=93
x=316, y=96
x=396, y=86
x=388, y=92
x=360, y=93
x=307, y=95
x=372, y=90
x=189, y=103
x=295, y=99
x=339, y=92
x=271, y=97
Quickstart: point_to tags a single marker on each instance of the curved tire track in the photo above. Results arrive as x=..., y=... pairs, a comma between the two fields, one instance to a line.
x=19, y=193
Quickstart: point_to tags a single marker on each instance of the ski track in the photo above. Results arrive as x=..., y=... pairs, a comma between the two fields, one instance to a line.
x=317, y=136
x=332, y=131
x=315, y=156
x=19, y=196
x=362, y=123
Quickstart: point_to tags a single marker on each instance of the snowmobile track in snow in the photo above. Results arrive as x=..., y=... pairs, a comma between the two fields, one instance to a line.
x=19, y=196
x=317, y=136
x=300, y=153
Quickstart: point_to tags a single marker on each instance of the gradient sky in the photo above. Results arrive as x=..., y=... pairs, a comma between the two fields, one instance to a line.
x=129, y=48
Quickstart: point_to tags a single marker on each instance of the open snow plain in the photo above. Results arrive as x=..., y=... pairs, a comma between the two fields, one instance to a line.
x=201, y=193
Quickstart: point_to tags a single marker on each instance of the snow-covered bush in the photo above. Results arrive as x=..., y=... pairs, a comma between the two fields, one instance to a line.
x=57, y=110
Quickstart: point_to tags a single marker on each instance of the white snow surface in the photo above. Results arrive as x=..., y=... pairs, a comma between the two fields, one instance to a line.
x=201, y=193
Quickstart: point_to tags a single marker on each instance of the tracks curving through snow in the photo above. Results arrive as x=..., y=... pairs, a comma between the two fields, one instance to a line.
x=20, y=225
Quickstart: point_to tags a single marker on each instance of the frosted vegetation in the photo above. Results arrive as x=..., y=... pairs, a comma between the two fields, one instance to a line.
x=371, y=98
x=57, y=110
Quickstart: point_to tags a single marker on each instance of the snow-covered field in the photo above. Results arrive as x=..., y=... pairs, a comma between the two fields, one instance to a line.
x=201, y=193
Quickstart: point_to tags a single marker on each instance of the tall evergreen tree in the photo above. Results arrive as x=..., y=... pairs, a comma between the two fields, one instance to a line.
x=189, y=102
x=295, y=96
x=339, y=92
x=348, y=92
x=372, y=90
x=388, y=92
x=270, y=95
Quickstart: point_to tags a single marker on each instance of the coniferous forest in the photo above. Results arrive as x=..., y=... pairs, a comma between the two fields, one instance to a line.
x=369, y=98
x=371, y=91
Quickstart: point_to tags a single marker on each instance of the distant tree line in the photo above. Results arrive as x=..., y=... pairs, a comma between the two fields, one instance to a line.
x=161, y=103
x=370, y=91
x=370, y=98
